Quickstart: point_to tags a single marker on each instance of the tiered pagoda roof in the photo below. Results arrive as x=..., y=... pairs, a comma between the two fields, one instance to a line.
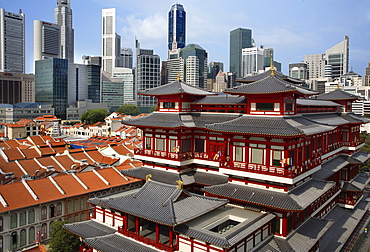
x=270, y=85
x=176, y=87
x=267, y=73
x=162, y=203
x=337, y=94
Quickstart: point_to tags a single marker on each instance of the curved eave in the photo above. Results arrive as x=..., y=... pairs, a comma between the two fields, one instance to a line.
x=254, y=93
x=339, y=99
x=255, y=133
x=177, y=93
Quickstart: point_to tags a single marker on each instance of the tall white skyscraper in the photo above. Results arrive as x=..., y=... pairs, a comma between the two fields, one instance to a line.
x=63, y=18
x=46, y=40
x=315, y=65
x=111, y=41
x=12, y=42
x=338, y=58
x=252, y=60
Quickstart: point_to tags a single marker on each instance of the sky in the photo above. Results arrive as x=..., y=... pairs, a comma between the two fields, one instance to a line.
x=293, y=28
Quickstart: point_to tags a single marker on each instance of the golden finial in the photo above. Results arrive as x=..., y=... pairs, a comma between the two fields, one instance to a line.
x=272, y=65
x=178, y=76
x=180, y=184
x=148, y=177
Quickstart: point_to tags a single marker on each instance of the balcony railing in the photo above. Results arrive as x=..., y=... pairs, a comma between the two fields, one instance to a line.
x=145, y=240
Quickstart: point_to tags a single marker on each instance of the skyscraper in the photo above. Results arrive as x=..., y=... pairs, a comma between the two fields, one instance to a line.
x=239, y=38
x=111, y=41
x=12, y=42
x=195, y=65
x=338, y=58
x=46, y=40
x=126, y=57
x=367, y=75
x=252, y=61
x=176, y=27
x=63, y=18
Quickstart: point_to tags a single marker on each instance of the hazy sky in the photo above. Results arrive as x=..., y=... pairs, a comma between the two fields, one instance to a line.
x=293, y=28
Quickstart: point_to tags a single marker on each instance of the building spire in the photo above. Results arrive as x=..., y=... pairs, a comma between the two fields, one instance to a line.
x=272, y=65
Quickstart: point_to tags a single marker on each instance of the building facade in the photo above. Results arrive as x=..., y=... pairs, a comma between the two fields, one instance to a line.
x=111, y=41
x=17, y=87
x=315, y=65
x=12, y=45
x=51, y=84
x=367, y=75
x=239, y=38
x=195, y=60
x=252, y=61
x=63, y=18
x=127, y=57
x=176, y=27
x=338, y=58
x=298, y=71
x=46, y=40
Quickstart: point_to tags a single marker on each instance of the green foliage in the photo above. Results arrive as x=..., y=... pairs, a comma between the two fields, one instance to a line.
x=93, y=116
x=129, y=109
x=154, y=108
x=366, y=148
x=62, y=240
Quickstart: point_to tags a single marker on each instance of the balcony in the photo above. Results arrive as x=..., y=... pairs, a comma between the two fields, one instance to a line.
x=145, y=240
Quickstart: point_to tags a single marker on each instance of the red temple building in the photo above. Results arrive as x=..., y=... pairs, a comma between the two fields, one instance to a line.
x=268, y=166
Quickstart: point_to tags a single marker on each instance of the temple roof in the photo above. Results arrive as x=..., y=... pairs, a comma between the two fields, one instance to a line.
x=315, y=102
x=303, y=239
x=89, y=229
x=222, y=99
x=331, y=167
x=270, y=85
x=201, y=229
x=162, y=203
x=361, y=156
x=337, y=94
x=116, y=242
x=267, y=73
x=205, y=178
x=297, y=199
x=333, y=119
x=176, y=87
x=358, y=183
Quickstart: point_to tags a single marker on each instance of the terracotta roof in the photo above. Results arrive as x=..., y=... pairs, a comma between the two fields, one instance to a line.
x=100, y=158
x=48, y=161
x=12, y=167
x=66, y=161
x=37, y=140
x=122, y=149
x=31, y=153
x=46, y=151
x=81, y=156
x=13, y=154
x=12, y=143
x=31, y=166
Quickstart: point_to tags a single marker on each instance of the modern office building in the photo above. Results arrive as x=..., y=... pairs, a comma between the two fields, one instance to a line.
x=164, y=73
x=12, y=45
x=46, y=40
x=63, y=18
x=91, y=60
x=10, y=113
x=126, y=57
x=338, y=58
x=252, y=61
x=315, y=65
x=17, y=88
x=126, y=75
x=51, y=84
x=214, y=68
x=111, y=41
x=239, y=38
x=195, y=65
x=148, y=68
x=77, y=83
x=176, y=27
x=367, y=76
x=175, y=65
x=298, y=71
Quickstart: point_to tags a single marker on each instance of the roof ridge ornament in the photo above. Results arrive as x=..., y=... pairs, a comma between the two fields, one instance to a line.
x=180, y=184
x=148, y=177
x=178, y=76
x=272, y=65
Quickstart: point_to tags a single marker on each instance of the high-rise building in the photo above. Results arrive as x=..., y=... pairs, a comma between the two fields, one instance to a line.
x=175, y=65
x=17, y=88
x=51, y=84
x=12, y=46
x=298, y=70
x=126, y=57
x=164, y=73
x=176, y=27
x=148, y=67
x=46, y=40
x=91, y=60
x=111, y=41
x=63, y=18
x=239, y=38
x=214, y=68
x=338, y=58
x=252, y=61
x=315, y=65
x=367, y=76
x=195, y=65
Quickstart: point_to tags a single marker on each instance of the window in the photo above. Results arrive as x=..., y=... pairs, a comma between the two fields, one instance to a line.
x=1, y=244
x=239, y=153
x=1, y=223
x=22, y=218
x=44, y=231
x=159, y=145
x=168, y=105
x=69, y=206
x=82, y=203
x=13, y=220
x=31, y=235
x=22, y=238
x=76, y=205
x=43, y=213
x=199, y=145
x=52, y=211
x=50, y=227
x=257, y=156
x=288, y=106
x=75, y=218
x=13, y=240
x=59, y=209
x=276, y=158
x=264, y=106
x=31, y=216
x=82, y=218
x=148, y=143
x=224, y=226
x=173, y=146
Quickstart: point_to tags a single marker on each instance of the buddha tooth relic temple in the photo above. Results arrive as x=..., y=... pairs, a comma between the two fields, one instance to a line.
x=266, y=166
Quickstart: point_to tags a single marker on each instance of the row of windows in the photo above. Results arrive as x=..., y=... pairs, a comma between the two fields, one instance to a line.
x=77, y=205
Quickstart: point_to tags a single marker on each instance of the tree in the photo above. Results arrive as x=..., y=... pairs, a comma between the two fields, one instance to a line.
x=93, y=116
x=129, y=109
x=154, y=108
x=62, y=240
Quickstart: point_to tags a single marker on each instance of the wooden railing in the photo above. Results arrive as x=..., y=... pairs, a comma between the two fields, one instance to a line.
x=145, y=240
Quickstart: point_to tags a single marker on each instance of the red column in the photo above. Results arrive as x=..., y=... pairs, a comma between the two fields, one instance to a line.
x=103, y=215
x=137, y=224
x=125, y=221
x=157, y=232
x=170, y=237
